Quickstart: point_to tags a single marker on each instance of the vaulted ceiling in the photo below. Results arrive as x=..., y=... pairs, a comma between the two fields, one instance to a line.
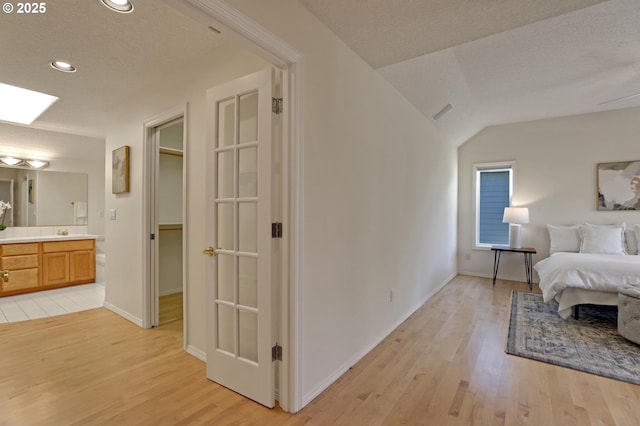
x=496, y=61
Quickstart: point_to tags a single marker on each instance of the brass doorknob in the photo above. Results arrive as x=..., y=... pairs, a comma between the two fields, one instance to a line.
x=209, y=251
x=5, y=275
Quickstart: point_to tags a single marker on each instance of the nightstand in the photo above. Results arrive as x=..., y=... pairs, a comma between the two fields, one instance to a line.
x=526, y=251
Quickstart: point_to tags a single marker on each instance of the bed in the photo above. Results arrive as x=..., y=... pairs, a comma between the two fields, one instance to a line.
x=587, y=265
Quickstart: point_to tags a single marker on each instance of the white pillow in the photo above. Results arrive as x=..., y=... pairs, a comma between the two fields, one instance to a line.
x=602, y=239
x=564, y=238
x=631, y=239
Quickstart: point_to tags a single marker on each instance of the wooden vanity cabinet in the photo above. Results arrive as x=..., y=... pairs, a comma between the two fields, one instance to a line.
x=19, y=263
x=46, y=265
x=68, y=262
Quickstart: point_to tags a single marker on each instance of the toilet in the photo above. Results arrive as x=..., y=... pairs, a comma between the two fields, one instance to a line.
x=101, y=260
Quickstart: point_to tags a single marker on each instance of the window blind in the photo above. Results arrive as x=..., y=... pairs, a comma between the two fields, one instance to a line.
x=494, y=197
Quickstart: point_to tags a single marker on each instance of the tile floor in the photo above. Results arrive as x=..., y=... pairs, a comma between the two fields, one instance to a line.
x=51, y=302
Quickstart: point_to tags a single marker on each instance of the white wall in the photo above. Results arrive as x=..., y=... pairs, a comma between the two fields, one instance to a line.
x=379, y=200
x=555, y=176
x=170, y=189
x=123, y=246
x=170, y=265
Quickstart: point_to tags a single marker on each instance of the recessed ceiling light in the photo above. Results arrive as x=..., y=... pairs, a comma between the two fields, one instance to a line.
x=122, y=6
x=22, y=106
x=62, y=66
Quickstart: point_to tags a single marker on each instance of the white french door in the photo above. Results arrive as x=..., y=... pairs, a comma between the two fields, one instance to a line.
x=238, y=274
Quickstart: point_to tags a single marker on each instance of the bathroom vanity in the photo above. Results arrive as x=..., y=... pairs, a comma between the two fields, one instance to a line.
x=43, y=263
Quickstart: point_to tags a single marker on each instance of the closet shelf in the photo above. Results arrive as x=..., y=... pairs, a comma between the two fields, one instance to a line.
x=171, y=151
x=170, y=227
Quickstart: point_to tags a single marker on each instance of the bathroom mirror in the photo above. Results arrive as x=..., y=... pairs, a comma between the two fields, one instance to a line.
x=45, y=198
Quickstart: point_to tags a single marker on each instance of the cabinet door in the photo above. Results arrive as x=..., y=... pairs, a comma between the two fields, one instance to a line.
x=83, y=266
x=55, y=268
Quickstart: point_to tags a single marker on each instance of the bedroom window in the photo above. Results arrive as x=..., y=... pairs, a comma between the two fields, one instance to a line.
x=494, y=184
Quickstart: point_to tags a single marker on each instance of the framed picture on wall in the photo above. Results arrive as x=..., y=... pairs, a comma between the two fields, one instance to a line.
x=619, y=186
x=120, y=170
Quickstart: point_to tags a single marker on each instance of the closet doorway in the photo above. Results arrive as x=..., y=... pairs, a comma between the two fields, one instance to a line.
x=167, y=237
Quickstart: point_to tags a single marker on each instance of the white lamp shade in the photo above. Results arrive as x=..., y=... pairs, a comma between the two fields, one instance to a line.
x=516, y=215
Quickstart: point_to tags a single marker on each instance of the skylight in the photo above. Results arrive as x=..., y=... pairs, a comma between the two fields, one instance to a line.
x=22, y=106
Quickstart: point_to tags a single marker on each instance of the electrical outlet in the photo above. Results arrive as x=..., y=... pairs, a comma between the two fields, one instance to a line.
x=467, y=256
x=391, y=294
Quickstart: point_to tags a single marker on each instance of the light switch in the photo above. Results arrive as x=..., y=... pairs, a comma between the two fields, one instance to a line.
x=112, y=214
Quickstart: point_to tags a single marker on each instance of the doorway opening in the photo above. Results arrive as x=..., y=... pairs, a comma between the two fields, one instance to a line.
x=165, y=156
x=170, y=221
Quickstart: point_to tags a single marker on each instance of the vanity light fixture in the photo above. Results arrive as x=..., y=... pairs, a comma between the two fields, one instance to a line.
x=8, y=161
x=11, y=161
x=62, y=66
x=37, y=164
x=121, y=6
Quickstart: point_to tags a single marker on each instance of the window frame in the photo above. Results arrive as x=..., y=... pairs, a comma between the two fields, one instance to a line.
x=478, y=168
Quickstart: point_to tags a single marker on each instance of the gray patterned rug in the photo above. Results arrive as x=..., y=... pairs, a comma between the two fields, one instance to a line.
x=590, y=344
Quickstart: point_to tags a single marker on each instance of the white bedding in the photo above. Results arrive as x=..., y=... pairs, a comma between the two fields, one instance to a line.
x=600, y=273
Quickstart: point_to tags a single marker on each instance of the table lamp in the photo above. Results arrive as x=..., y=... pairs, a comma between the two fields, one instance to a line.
x=515, y=216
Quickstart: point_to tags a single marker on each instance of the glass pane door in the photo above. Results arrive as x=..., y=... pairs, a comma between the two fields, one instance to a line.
x=237, y=233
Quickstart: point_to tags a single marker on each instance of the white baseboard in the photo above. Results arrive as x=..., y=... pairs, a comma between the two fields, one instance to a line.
x=167, y=292
x=124, y=314
x=500, y=276
x=310, y=396
x=201, y=355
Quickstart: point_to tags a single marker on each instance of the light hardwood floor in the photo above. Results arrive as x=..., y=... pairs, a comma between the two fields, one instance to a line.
x=445, y=365
x=170, y=308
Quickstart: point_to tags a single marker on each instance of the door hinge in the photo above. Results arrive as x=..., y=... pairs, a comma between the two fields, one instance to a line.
x=276, y=230
x=153, y=236
x=276, y=353
x=277, y=105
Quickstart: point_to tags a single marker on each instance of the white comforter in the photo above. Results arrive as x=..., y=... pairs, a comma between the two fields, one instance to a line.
x=600, y=272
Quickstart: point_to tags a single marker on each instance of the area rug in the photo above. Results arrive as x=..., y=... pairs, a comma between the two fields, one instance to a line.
x=590, y=344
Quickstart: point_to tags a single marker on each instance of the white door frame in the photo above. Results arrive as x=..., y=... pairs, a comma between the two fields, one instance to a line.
x=233, y=24
x=150, y=171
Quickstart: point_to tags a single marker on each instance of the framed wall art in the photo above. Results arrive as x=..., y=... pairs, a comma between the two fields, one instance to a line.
x=120, y=170
x=619, y=186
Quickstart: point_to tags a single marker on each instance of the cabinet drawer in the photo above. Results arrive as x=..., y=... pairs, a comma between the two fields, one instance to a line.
x=21, y=279
x=19, y=262
x=72, y=245
x=18, y=249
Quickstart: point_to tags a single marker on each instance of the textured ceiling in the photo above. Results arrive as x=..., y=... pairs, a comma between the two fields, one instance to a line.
x=496, y=61
x=116, y=55
x=385, y=32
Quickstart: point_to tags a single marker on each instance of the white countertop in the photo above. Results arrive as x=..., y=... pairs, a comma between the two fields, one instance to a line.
x=48, y=238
